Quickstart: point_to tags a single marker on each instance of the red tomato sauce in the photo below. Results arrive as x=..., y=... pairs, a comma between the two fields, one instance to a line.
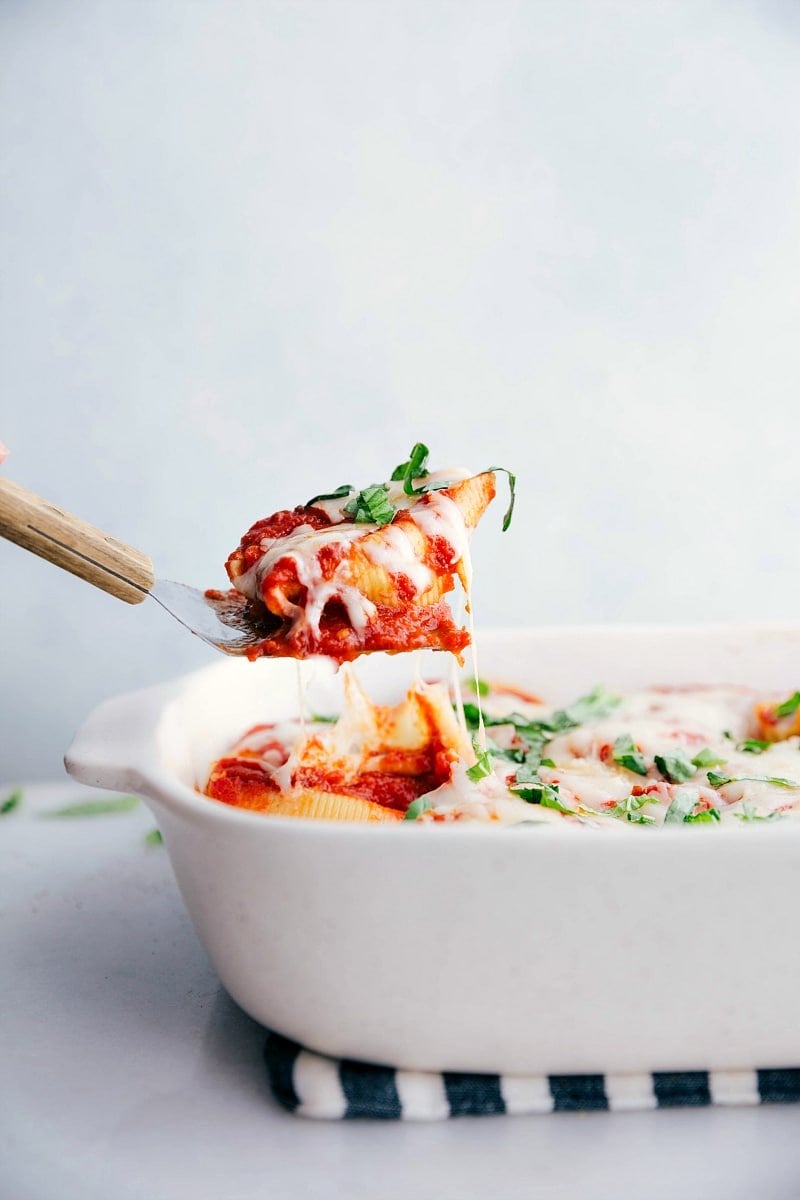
x=394, y=630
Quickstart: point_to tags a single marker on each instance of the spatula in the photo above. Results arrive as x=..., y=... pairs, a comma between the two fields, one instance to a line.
x=226, y=622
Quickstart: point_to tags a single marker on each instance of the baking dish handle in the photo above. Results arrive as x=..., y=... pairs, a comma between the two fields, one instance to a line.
x=113, y=745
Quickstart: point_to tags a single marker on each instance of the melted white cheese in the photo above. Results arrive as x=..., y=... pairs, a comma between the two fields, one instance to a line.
x=592, y=786
x=395, y=553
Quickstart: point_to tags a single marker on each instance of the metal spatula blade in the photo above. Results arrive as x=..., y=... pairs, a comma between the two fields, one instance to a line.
x=224, y=620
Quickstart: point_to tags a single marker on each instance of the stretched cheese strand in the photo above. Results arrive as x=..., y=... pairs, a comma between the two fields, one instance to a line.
x=301, y=699
x=474, y=656
x=458, y=703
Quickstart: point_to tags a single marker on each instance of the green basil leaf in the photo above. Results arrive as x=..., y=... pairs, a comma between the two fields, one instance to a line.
x=596, y=704
x=707, y=758
x=415, y=468
x=416, y=807
x=528, y=771
x=750, y=813
x=95, y=808
x=789, y=706
x=628, y=755
x=320, y=718
x=751, y=746
x=681, y=806
x=544, y=794
x=12, y=801
x=153, y=838
x=550, y=801
x=717, y=780
x=344, y=490
x=371, y=505
x=513, y=754
x=705, y=814
x=479, y=686
x=483, y=763
x=675, y=767
x=629, y=808
x=512, y=488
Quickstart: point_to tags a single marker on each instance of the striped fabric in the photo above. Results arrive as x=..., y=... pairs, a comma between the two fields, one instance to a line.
x=312, y=1085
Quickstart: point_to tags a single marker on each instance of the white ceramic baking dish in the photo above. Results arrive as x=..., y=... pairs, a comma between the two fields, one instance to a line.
x=536, y=949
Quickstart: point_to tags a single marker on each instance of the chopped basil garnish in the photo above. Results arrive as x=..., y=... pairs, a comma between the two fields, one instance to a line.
x=544, y=794
x=321, y=718
x=749, y=746
x=420, y=805
x=789, y=706
x=704, y=814
x=12, y=801
x=344, y=490
x=680, y=808
x=675, y=767
x=415, y=468
x=483, y=765
x=551, y=800
x=629, y=809
x=153, y=838
x=628, y=756
x=547, y=762
x=534, y=731
x=718, y=780
x=707, y=758
x=479, y=686
x=598, y=703
x=528, y=771
x=750, y=813
x=472, y=716
x=95, y=808
x=512, y=487
x=372, y=505
x=513, y=754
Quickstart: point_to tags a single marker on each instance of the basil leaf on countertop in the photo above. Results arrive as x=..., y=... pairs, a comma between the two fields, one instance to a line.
x=11, y=802
x=94, y=808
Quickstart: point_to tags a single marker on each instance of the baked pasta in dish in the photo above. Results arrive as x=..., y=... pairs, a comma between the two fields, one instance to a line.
x=661, y=756
x=352, y=572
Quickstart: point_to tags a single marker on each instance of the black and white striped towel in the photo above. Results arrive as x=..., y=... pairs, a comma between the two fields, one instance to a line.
x=312, y=1085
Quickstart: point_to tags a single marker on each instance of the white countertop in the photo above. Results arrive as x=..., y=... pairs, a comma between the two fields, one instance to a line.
x=129, y=1073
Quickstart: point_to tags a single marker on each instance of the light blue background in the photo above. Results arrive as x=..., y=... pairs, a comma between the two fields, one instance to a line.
x=253, y=249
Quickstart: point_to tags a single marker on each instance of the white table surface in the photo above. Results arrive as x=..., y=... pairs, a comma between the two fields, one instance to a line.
x=127, y=1072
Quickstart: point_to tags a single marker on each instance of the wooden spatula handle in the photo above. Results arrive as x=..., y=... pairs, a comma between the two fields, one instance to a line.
x=73, y=544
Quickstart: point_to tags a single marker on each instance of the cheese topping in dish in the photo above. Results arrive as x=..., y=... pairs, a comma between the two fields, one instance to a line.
x=661, y=756
x=353, y=572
